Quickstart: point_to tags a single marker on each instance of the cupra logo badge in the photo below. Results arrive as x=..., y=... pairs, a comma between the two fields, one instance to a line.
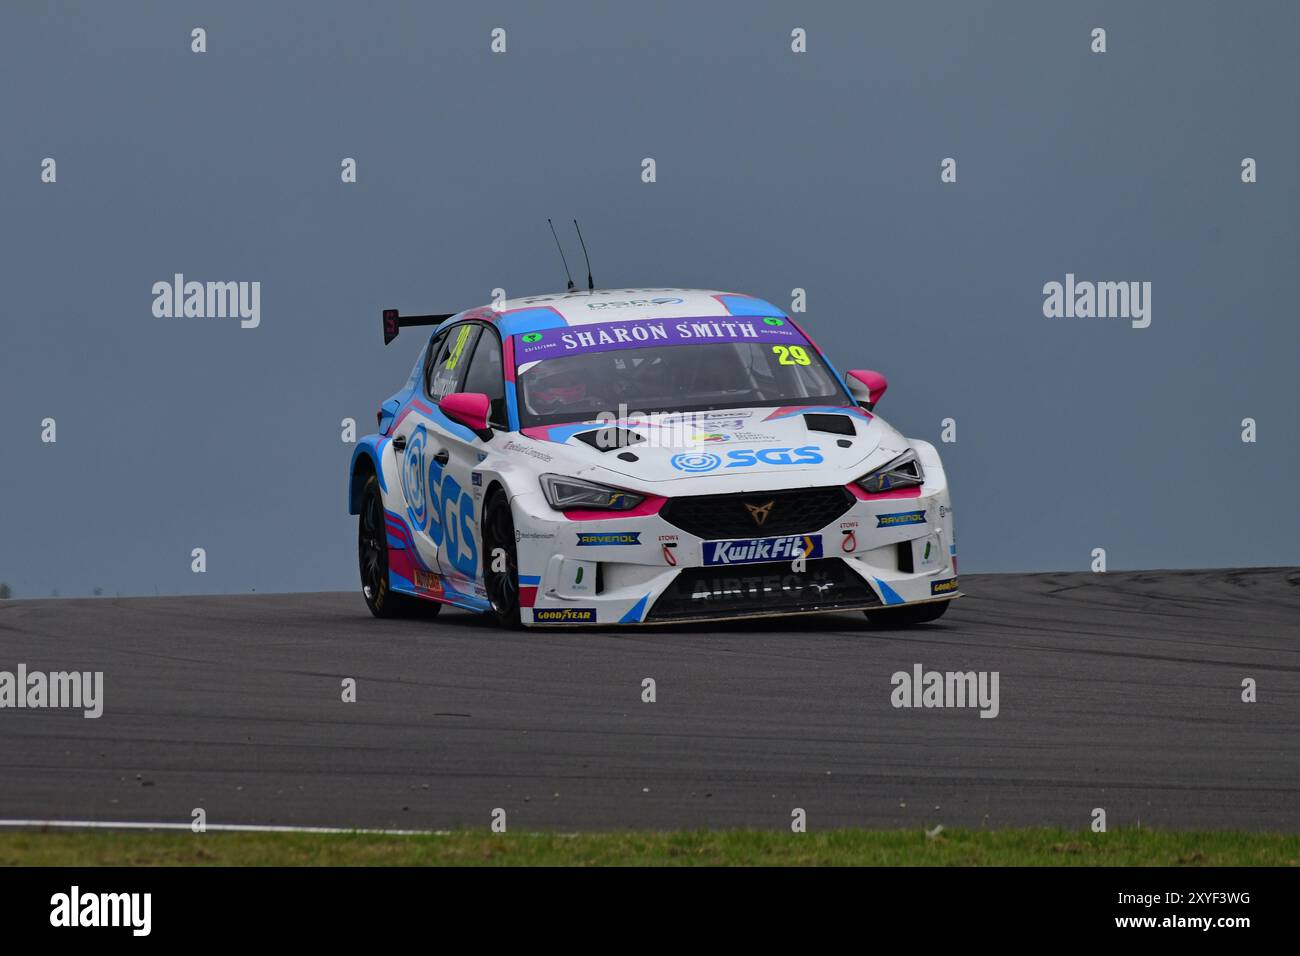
x=760, y=512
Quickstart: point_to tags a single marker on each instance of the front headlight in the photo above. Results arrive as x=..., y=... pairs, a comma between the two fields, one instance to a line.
x=564, y=494
x=905, y=471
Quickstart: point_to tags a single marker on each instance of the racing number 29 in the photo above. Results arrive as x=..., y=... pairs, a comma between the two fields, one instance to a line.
x=791, y=355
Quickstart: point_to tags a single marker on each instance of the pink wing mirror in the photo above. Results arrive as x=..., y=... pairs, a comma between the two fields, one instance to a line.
x=468, y=408
x=867, y=386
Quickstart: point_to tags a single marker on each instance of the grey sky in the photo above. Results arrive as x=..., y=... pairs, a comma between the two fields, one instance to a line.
x=775, y=171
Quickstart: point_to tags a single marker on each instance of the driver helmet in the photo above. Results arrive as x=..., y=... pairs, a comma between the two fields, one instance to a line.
x=550, y=387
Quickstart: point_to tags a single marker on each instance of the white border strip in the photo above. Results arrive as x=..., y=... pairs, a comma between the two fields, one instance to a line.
x=219, y=827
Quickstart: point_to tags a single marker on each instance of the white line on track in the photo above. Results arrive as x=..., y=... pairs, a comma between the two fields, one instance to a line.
x=227, y=827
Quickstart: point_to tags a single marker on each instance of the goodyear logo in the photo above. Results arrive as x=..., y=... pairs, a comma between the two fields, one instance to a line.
x=565, y=615
x=943, y=587
x=899, y=518
x=586, y=539
x=755, y=550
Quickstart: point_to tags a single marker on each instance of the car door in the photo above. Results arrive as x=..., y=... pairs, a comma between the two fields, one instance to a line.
x=453, y=453
x=412, y=436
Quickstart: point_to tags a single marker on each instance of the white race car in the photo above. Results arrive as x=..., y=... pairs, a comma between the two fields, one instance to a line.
x=644, y=456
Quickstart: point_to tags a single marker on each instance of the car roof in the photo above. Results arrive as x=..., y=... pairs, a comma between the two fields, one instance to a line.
x=549, y=310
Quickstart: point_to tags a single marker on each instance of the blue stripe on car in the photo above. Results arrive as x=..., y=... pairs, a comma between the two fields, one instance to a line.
x=634, y=615
x=888, y=594
x=747, y=305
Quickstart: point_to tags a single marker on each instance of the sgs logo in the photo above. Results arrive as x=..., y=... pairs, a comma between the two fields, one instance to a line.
x=745, y=457
x=748, y=457
x=437, y=505
x=413, y=478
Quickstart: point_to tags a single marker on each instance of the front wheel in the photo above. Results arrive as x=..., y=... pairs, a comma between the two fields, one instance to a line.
x=908, y=615
x=372, y=556
x=501, y=560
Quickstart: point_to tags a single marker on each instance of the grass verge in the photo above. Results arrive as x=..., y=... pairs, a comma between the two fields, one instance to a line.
x=1015, y=847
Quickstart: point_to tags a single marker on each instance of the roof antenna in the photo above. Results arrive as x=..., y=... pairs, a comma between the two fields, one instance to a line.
x=562, y=259
x=591, y=286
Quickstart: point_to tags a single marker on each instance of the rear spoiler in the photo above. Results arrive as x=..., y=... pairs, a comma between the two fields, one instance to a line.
x=394, y=323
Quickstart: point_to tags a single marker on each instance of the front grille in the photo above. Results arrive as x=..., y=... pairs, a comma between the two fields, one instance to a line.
x=826, y=585
x=794, y=511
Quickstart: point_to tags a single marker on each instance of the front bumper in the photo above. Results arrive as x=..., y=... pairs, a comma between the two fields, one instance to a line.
x=687, y=563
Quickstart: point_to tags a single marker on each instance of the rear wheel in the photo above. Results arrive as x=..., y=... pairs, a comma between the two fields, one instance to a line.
x=908, y=615
x=372, y=557
x=501, y=560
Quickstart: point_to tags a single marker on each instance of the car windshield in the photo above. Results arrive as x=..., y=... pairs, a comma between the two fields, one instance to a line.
x=613, y=371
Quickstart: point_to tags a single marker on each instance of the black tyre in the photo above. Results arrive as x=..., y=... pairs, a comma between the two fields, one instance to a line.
x=372, y=556
x=501, y=577
x=909, y=615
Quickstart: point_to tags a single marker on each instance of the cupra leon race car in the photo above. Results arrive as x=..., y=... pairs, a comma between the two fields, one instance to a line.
x=644, y=456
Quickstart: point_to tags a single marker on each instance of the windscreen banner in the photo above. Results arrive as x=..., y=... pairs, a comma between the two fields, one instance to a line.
x=639, y=333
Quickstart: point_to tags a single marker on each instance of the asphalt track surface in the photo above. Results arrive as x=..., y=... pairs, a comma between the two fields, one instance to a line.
x=1120, y=691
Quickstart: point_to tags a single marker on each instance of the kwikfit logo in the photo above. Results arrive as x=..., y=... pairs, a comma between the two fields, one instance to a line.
x=755, y=550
